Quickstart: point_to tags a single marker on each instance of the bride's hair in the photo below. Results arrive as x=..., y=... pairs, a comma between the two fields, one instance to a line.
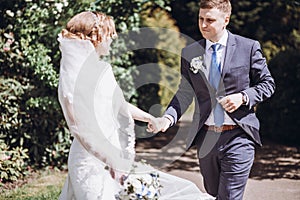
x=93, y=26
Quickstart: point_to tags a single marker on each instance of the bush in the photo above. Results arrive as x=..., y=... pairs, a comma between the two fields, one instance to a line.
x=280, y=114
x=12, y=163
x=31, y=117
x=168, y=43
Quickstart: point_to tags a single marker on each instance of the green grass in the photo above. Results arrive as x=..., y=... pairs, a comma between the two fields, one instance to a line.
x=46, y=186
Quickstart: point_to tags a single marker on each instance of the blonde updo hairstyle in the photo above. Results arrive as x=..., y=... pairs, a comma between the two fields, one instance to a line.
x=93, y=26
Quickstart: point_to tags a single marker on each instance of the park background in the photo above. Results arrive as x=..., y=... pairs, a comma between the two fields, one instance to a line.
x=33, y=132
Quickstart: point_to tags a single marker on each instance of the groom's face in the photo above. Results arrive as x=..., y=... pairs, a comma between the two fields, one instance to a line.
x=212, y=23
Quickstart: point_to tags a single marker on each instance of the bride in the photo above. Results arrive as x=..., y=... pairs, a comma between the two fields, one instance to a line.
x=102, y=122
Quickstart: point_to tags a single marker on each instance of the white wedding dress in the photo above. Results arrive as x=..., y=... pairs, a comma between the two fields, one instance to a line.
x=103, y=129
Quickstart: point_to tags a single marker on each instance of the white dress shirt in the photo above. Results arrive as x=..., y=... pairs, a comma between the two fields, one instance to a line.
x=207, y=60
x=220, y=58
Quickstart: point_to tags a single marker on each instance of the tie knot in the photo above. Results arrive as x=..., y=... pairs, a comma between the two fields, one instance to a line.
x=215, y=47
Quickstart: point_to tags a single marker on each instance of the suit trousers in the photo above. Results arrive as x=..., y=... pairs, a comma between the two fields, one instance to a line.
x=225, y=162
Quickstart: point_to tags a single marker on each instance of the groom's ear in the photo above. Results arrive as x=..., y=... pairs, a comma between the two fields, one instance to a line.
x=227, y=19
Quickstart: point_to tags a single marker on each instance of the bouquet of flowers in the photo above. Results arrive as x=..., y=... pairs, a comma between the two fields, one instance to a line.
x=140, y=185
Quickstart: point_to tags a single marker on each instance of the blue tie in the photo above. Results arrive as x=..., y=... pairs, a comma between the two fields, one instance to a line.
x=214, y=79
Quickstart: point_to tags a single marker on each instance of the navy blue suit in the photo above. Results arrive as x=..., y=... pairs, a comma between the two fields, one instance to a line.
x=244, y=70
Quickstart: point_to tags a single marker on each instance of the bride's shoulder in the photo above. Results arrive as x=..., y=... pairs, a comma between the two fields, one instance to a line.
x=104, y=64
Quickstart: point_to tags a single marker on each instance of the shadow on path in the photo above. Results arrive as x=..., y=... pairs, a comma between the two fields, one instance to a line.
x=272, y=161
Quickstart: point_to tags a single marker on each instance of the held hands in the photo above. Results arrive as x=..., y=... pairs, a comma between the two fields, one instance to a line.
x=155, y=125
x=158, y=124
x=231, y=102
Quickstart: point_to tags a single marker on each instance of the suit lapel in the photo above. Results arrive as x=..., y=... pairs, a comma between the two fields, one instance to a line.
x=205, y=79
x=200, y=51
x=199, y=79
x=202, y=44
x=230, y=49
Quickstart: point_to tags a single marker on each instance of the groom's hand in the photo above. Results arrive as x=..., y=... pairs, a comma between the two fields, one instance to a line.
x=158, y=124
x=231, y=102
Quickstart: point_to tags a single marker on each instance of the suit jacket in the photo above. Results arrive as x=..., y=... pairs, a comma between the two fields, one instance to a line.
x=244, y=70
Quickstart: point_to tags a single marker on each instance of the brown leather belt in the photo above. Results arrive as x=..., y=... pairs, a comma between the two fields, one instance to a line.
x=220, y=129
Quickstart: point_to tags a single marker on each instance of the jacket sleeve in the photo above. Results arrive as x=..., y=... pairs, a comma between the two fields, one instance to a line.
x=185, y=93
x=262, y=84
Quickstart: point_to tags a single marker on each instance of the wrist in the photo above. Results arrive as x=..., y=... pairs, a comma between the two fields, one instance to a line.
x=244, y=98
x=149, y=118
x=168, y=120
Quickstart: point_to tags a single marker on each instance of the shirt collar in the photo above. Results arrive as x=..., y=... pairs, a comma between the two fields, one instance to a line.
x=222, y=41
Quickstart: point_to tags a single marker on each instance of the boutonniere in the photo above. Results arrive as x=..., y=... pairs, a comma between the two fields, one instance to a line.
x=197, y=64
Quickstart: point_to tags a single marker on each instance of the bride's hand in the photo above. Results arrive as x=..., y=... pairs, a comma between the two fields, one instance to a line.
x=158, y=124
x=118, y=176
x=150, y=126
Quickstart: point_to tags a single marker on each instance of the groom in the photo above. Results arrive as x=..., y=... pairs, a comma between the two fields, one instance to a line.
x=226, y=75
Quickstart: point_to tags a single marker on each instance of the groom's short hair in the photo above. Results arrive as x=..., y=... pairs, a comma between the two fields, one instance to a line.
x=222, y=5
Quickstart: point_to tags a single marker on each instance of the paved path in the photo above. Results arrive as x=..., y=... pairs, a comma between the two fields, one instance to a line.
x=275, y=174
x=267, y=189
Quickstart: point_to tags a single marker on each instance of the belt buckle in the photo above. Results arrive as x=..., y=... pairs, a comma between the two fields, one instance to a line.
x=218, y=129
